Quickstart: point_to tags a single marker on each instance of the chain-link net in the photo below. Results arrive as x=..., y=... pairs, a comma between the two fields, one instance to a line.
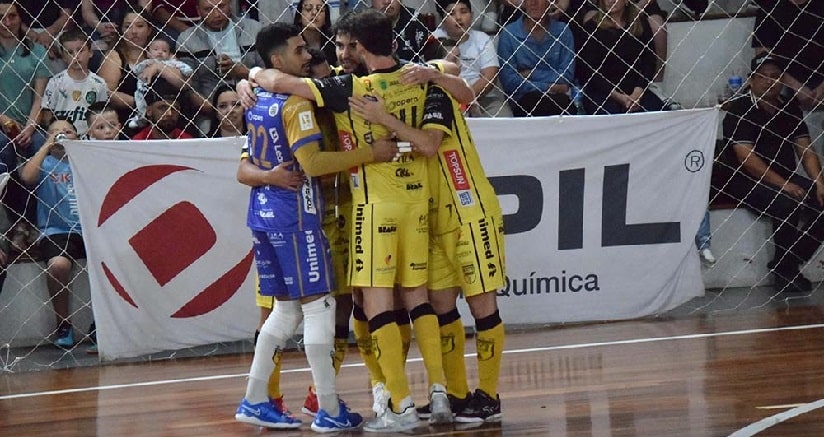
x=535, y=57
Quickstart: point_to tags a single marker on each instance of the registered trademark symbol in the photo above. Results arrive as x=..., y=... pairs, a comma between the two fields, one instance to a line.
x=694, y=161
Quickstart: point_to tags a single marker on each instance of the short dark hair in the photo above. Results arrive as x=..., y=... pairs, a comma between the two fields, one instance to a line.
x=373, y=30
x=96, y=109
x=73, y=35
x=317, y=57
x=161, y=90
x=169, y=42
x=345, y=24
x=443, y=5
x=220, y=90
x=273, y=38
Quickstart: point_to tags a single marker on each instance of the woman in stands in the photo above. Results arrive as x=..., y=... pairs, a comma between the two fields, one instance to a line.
x=313, y=17
x=229, y=113
x=617, y=61
x=135, y=33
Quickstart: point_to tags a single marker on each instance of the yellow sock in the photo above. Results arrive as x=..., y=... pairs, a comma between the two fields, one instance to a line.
x=453, y=346
x=273, y=388
x=364, y=340
x=402, y=319
x=428, y=337
x=406, y=339
x=341, y=344
x=489, y=341
x=386, y=339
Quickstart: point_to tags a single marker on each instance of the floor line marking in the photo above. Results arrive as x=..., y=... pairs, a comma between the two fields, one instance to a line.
x=756, y=427
x=512, y=351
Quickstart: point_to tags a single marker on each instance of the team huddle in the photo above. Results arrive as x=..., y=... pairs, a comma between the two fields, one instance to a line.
x=371, y=203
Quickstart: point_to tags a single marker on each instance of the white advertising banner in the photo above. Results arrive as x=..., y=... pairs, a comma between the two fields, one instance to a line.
x=170, y=259
x=600, y=216
x=600, y=212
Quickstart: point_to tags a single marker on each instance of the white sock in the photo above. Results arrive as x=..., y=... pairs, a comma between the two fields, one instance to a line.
x=275, y=332
x=319, y=340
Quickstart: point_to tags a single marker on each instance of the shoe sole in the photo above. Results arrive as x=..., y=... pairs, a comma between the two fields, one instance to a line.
x=322, y=429
x=492, y=418
x=257, y=422
x=398, y=428
x=441, y=418
x=308, y=412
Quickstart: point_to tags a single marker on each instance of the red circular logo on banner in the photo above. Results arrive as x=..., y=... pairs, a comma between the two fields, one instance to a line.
x=171, y=242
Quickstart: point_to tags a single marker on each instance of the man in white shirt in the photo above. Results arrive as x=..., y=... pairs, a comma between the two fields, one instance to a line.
x=475, y=52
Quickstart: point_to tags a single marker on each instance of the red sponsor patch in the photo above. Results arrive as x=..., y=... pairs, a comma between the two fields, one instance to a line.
x=457, y=171
x=347, y=145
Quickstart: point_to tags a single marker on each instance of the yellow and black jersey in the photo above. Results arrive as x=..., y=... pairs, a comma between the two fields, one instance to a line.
x=402, y=181
x=460, y=188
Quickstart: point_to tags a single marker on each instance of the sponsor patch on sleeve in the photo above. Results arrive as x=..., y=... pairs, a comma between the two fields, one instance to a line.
x=305, y=119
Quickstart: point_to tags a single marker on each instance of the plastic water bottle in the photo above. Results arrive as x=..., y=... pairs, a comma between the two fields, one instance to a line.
x=734, y=84
x=578, y=100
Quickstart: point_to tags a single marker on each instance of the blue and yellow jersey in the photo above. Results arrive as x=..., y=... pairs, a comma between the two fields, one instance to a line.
x=398, y=182
x=277, y=126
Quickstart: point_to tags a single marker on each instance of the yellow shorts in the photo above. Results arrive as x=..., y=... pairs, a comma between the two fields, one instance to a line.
x=338, y=232
x=389, y=244
x=471, y=257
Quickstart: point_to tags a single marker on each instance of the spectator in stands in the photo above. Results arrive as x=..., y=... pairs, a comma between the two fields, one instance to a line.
x=510, y=10
x=414, y=41
x=44, y=24
x=650, y=10
x=22, y=83
x=61, y=241
x=220, y=48
x=103, y=123
x=23, y=80
x=617, y=61
x=100, y=18
x=766, y=133
x=267, y=11
x=313, y=17
x=474, y=52
x=536, y=57
x=117, y=67
x=70, y=92
x=173, y=17
x=161, y=64
x=163, y=114
x=229, y=114
x=793, y=31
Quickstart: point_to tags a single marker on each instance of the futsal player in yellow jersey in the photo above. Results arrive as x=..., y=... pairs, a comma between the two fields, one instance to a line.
x=466, y=252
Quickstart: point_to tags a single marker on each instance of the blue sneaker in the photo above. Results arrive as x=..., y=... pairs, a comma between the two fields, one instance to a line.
x=345, y=420
x=265, y=414
x=65, y=336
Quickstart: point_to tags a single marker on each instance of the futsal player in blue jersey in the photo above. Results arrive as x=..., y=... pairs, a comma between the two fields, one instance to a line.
x=291, y=251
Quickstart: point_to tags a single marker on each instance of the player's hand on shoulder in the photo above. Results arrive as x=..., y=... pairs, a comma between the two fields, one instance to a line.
x=414, y=74
x=246, y=93
x=369, y=107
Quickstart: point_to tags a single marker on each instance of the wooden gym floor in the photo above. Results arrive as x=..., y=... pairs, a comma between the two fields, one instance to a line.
x=742, y=373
